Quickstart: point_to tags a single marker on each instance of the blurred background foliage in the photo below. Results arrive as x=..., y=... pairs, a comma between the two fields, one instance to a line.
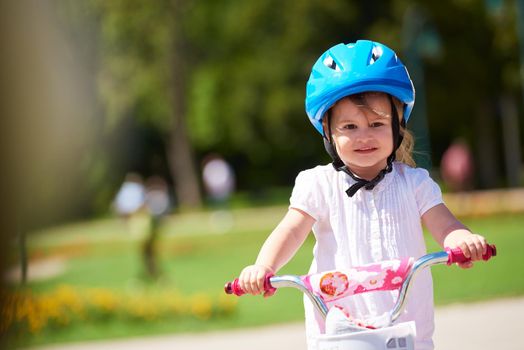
x=168, y=82
x=94, y=90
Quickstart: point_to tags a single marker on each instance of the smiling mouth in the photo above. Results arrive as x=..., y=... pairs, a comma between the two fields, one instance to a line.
x=366, y=150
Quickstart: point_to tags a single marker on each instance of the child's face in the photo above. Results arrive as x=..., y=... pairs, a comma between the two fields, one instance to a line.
x=362, y=133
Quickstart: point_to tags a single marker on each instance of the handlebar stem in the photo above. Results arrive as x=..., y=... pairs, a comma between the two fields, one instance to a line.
x=296, y=282
x=420, y=264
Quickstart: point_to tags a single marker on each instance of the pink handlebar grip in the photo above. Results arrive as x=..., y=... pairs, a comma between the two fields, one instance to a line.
x=234, y=288
x=456, y=256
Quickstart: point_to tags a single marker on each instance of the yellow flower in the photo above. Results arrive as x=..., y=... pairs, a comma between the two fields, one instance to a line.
x=175, y=303
x=69, y=299
x=142, y=307
x=226, y=304
x=201, y=306
x=103, y=299
x=49, y=307
x=66, y=305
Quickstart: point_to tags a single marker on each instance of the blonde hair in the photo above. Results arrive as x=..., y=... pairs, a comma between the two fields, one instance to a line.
x=404, y=153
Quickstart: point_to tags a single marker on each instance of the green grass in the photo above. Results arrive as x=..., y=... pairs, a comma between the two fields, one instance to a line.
x=102, y=254
x=500, y=277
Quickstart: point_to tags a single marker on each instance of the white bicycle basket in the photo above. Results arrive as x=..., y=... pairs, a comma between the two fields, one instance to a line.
x=397, y=337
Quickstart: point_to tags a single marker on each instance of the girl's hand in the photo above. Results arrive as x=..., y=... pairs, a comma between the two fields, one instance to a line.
x=252, y=279
x=473, y=246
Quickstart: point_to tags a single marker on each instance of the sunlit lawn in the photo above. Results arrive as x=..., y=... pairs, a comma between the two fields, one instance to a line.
x=195, y=257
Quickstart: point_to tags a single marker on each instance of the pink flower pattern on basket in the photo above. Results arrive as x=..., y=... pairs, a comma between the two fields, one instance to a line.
x=386, y=275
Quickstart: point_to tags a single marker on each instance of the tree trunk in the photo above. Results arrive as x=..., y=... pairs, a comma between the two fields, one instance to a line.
x=182, y=167
x=149, y=248
x=180, y=151
x=487, y=163
x=511, y=139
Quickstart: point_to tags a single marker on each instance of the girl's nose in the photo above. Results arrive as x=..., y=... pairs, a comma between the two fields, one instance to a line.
x=364, y=133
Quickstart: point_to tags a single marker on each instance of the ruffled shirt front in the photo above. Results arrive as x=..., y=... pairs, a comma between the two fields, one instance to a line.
x=372, y=226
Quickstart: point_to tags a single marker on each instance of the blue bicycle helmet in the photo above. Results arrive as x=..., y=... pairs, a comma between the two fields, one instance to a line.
x=355, y=68
x=345, y=70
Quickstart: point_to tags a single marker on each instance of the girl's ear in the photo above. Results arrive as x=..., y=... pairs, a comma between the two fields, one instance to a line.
x=399, y=107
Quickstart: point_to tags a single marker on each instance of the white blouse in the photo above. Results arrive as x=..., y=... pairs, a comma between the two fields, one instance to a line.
x=372, y=226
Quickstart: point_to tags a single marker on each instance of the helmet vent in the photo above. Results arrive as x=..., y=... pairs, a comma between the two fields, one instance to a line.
x=375, y=54
x=330, y=63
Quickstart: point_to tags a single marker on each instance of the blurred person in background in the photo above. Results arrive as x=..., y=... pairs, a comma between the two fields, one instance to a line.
x=218, y=178
x=456, y=167
x=129, y=204
x=157, y=203
x=131, y=196
x=219, y=182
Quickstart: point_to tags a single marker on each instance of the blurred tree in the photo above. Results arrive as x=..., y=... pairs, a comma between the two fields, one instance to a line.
x=478, y=63
x=247, y=96
x=143, y=74
x=228, y=76
x=224, y=76
x=47, y=123
x=472, y=66
x=181, y=155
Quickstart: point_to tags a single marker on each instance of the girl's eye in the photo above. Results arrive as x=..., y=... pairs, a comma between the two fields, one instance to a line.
x=350, y=126
x=376, y=124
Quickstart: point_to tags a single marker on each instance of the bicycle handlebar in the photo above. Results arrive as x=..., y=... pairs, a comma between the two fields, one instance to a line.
x=449, y=256
x=456, y=255
x=234, y=288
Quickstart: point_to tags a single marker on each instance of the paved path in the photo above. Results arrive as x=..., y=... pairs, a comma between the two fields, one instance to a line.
x=480, y=326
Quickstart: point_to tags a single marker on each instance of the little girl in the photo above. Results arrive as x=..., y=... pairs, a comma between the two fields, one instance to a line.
x=370, y=203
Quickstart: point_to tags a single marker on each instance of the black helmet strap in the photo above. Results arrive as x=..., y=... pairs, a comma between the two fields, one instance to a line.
x=339, y=165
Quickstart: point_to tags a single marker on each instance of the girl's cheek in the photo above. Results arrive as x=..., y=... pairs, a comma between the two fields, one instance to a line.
x=387, y=133
x=342, y=142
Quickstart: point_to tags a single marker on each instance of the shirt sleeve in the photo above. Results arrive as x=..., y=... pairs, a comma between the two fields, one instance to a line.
x=427, y=191
x=307, y=195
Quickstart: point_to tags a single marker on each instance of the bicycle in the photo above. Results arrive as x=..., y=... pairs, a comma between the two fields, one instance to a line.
x=381, y=332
